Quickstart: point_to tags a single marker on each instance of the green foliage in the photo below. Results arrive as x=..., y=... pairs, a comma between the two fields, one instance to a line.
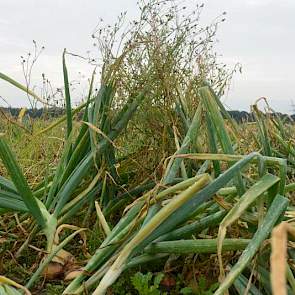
x=147, y=284
x=123, y=286
x=201, y=288
x=160, y=189
x=186, y=291
x=52, y=289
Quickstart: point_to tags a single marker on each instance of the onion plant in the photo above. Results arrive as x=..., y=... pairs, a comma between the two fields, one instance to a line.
x=78, y=176
x=213, y=175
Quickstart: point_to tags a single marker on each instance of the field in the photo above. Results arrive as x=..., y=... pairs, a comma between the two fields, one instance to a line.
x=149, y=186
x=222, y=191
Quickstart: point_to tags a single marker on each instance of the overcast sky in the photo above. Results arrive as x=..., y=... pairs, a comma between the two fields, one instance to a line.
x=259, y=34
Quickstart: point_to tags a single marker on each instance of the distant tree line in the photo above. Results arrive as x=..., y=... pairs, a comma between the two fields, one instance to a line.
x=36, y=113
x=243, y=116
x=239, y=116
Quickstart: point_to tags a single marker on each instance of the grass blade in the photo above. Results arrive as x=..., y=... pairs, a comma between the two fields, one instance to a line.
x=20, y=183
x=264, y=184
x=276, y=209
x=196, y=246
x=67, y=95
x=22, y=87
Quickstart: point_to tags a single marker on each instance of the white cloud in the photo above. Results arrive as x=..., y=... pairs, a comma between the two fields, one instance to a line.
x=257, y=33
